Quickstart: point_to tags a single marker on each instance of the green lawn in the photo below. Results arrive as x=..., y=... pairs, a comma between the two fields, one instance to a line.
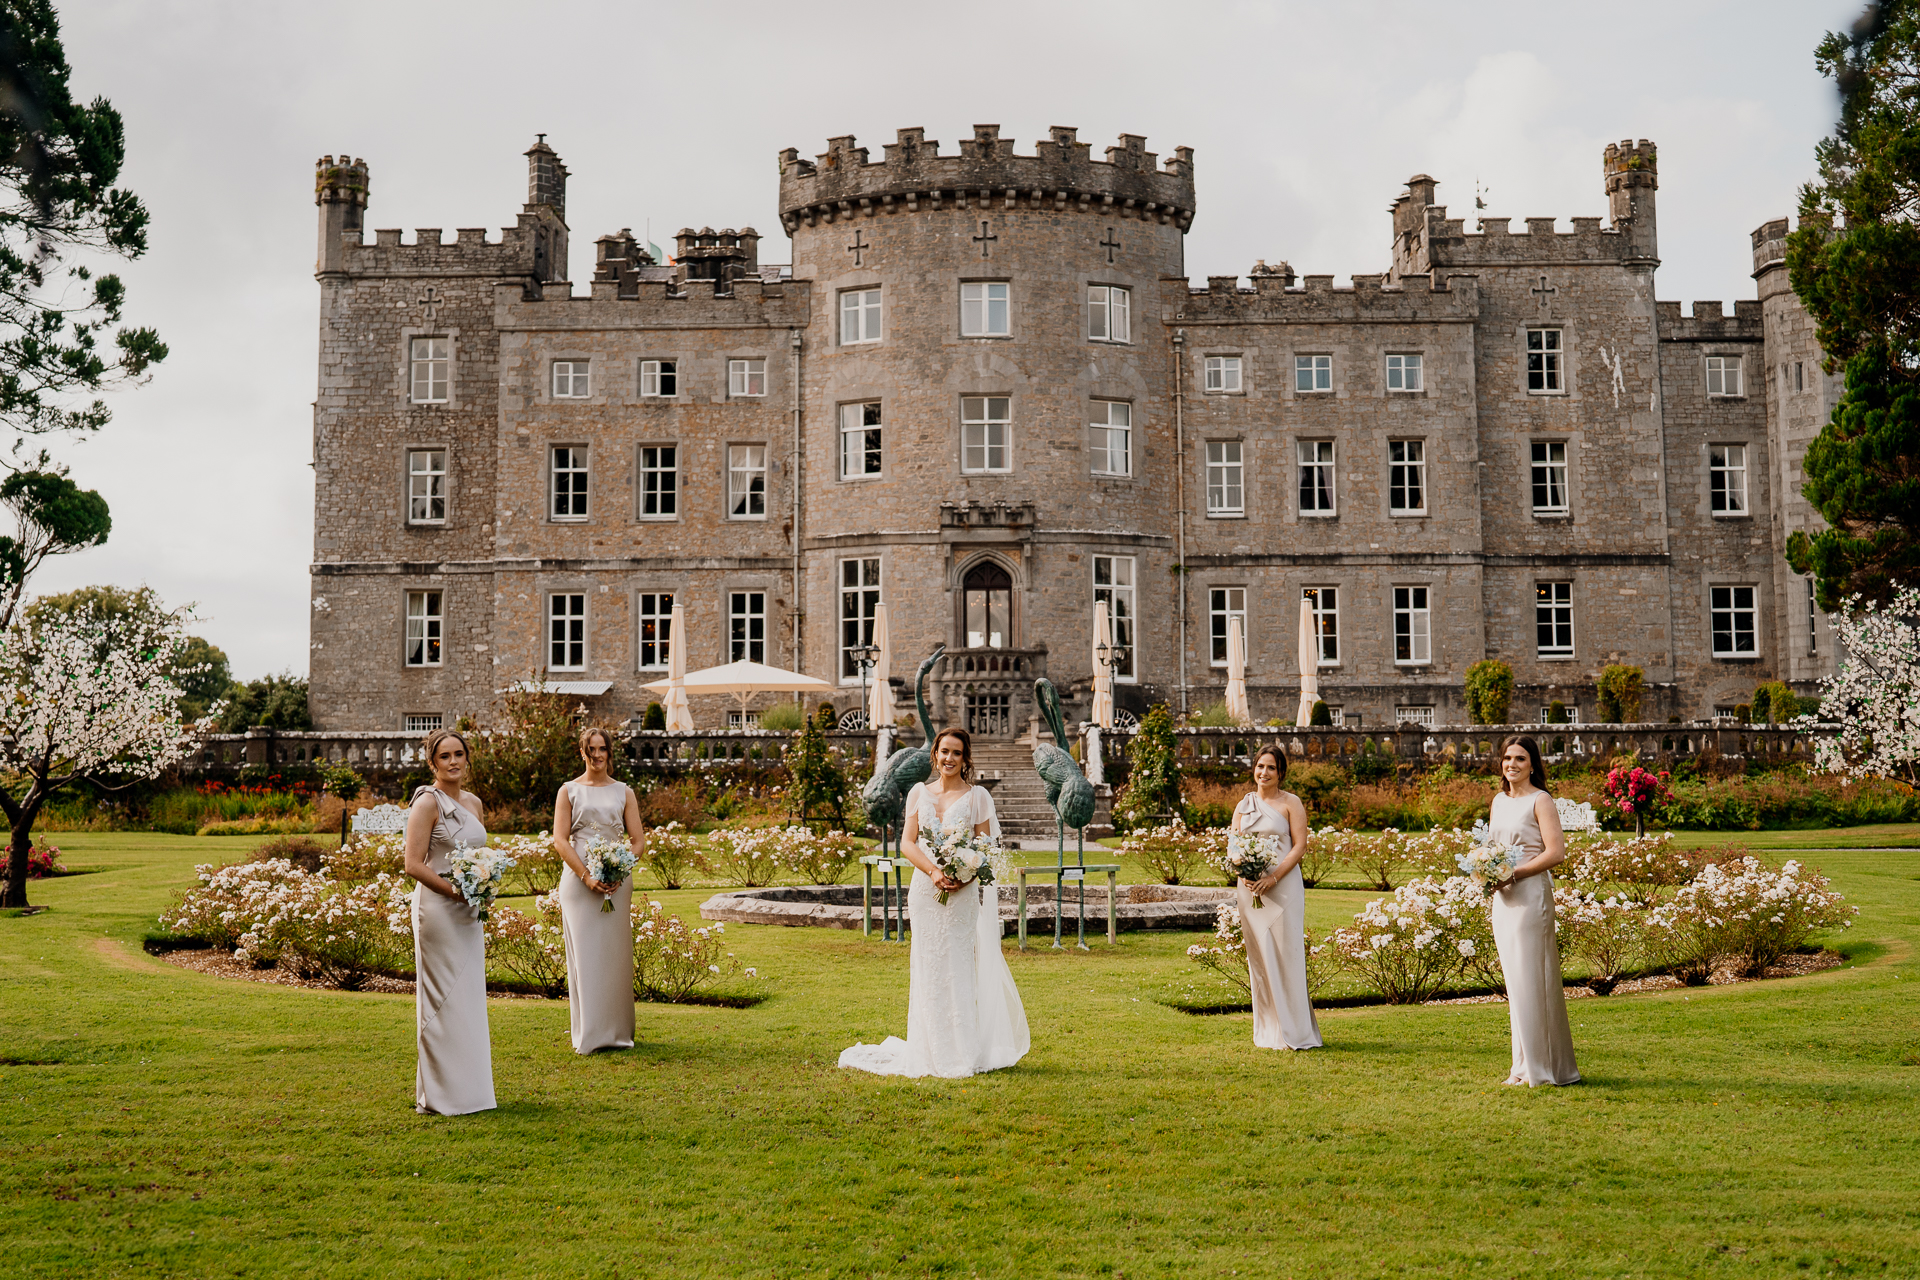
x=161, y=1123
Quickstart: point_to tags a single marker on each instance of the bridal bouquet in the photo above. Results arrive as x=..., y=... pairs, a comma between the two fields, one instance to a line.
x=1248, y=856
x=965, y=856
x=609, y=862
x=1489, y=862
x=476, y=871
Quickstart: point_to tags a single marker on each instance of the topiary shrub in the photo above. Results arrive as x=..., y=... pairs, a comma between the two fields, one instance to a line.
x=1556, y=712
x=1489, y=692
x=655, y=716
x=825, y=716
x=1743, y=712
x=1774, y=702
x=1619, y=690
x=1322, y=718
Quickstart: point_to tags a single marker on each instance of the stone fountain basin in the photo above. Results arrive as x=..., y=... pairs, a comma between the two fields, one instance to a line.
x=1139, y=906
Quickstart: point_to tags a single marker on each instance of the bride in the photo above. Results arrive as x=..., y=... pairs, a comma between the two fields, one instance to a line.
x=963, y=1012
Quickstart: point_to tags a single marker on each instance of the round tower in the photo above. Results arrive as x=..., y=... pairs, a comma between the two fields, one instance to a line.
x=989, y=423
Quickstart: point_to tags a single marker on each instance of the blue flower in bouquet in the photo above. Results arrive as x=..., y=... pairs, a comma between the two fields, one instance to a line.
x=609, y=862
x=477, y=872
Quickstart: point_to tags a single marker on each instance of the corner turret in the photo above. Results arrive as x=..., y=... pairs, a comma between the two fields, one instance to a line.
x=1632, y=178
x=547, y=191
x=340, y=189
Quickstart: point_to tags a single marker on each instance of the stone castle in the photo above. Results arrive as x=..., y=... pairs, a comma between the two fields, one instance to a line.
x=986, y=392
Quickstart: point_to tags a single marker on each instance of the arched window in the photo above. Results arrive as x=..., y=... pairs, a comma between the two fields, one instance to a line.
x=989, y=605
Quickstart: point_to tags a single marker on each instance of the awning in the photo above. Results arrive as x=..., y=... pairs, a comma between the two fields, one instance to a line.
x=572, y=688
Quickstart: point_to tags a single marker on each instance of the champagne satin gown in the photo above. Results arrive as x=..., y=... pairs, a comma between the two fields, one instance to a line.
x=1276, y=938
x=455, y=1072
x=1530, y=956
x=599, y=943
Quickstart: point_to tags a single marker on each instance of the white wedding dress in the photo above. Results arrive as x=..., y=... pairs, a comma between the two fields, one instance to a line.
x=963, y=1012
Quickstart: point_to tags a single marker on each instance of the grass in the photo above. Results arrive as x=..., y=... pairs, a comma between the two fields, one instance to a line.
x=162, y=1123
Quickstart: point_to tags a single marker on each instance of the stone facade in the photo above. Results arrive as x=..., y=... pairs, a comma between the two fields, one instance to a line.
x=985, y=392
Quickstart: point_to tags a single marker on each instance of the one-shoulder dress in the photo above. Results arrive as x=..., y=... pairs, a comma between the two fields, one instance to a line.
x=1276, y=938
x=455, y=1072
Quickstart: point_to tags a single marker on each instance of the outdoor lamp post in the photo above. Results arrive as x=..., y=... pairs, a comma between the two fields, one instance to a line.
x=1112, y=655
x=865, y=655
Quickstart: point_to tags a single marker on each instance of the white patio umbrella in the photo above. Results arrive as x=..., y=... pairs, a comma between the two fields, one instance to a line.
x=1237, y=672
x=1309, y=664
x=679, y=716
x=880, y=697
x=743, y=680
x=1102, y=667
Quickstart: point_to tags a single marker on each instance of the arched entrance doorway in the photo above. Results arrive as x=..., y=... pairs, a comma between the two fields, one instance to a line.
x=986, y=622
x=988, y=591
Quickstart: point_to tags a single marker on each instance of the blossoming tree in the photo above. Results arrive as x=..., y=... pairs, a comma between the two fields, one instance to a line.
x=1875, y=694
x=80, y=699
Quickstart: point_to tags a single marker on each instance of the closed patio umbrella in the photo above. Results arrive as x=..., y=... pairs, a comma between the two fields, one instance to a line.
x=1237, y=672
x=1309, y=664
x=880, y=697
x=679, y=715
x=1102, y=667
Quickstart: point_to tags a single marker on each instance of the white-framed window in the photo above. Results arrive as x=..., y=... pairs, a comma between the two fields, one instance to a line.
x=1226, y=478
x=659, y=482
x=570, y=380
x=1422, y=716
x=1723, y=376
x=1406, y=372
x=567, y=631
x=569, y=482
x=1412, y=627
x=426, y=618
x=1109, y=313
x=859, y=602
x=1571, y=710
x=1543, y=361
x=746, y=377
x=859, y=316
x=1407, y=477
x=656, y=630
x=1312, y=374
x=1223, y=605
x=1734, y=621
x=1110, y=438
x=426, y=486
x=859, y=440
x=1113, y=582
x=986, y=426
x=747, y=626
x=1813, y=620
x=985, y=310
x=1727, y=478
x=1223, y=373
x=747, y=482
x=1326, y=623
x=1316, y=477
x=659, y=379
x=421, y=723
x=738, y=719
x=1553, y=619
x=431, y=361
x=1549, y=474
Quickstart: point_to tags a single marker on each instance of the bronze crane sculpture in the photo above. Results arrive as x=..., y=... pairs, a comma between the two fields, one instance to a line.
x=886, y=791
x=1071, y=796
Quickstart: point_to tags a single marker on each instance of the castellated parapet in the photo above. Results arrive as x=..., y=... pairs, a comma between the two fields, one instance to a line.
x=1371, y=299
x=1061, y=174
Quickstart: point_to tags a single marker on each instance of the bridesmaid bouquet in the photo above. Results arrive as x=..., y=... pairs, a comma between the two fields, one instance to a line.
x=477, y=872
x=609, y=862
x=1248, y=856
x=1488, y=862
x=965, y=856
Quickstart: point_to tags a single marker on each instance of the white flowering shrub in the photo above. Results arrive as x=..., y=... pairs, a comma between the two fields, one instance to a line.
x=1174, y=852
x=537, y=865
x=1226, y=953
x=1408, y=945
x=747, y=856
x=273, y=913
x=1379, y=858
x=1745, y=912
x=1608, y=935
x=530, y=949
x=817, y=858
x=364, y=857
x=1321, y=856
x=674, y=855
x=1435, y=853
x=671, y=959
x=1643, y=868
x=1875, y=694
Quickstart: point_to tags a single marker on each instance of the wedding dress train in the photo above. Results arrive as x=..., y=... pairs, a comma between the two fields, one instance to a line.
x=964, y=1014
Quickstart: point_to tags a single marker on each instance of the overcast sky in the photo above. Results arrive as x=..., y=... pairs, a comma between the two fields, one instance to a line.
x=1306, y=119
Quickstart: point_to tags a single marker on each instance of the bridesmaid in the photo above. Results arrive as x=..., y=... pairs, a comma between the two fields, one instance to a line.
x=599, y=943
x=1523, y=814
x=1275, y=933
x=455, y=1072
